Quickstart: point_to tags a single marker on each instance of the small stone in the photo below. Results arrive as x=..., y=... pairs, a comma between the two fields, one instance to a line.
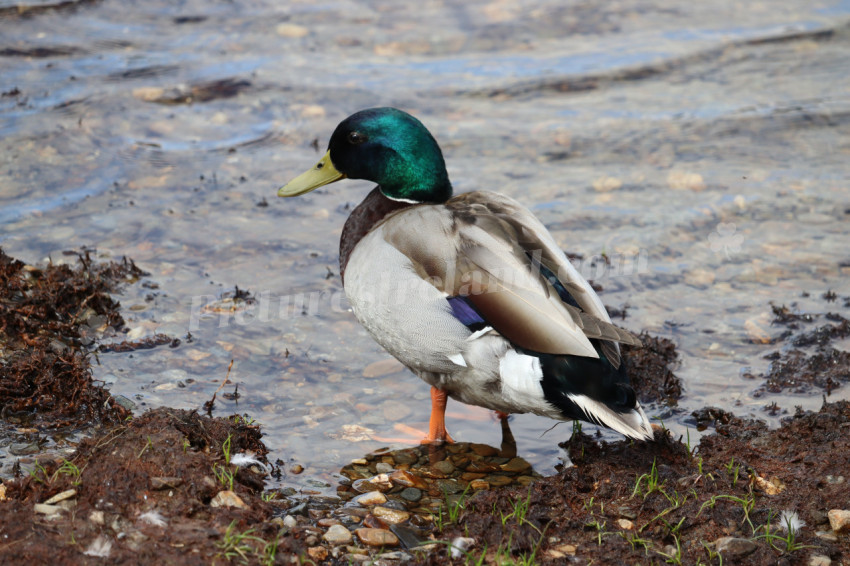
x=376, y=537
x=396, y=556
x=328, y=522
x=569, y=549
x=444, y=467
x=476, y=485
x=839, y=520
x=148, y=93
x=296, y=469
x=449, y=487
x=390, y=516
x=227, y=498
x=382, y=368
x=605, y=184
x=337, y=534
x=483, y=450
x=482, y=467
x=773, y=487
x=679, y=180
x=498, y=481
x=289, y=521
x=371, y=498
x=408, y=457
x=318, y=553
x=410, y=538
x=516, y=465
x=406, y=479
x=819, y=560
x=625, y=524
x=383, y=468
x=97, y=518
x=734, y=547
x=411, y=494
x=24, y=448
x=363, y=486
x=291, y=30
x=373, y=522
x=827, y=536
x=382, y=480
x=45, y=509
x=352, y=558
x=165, y=482
x=62, y=496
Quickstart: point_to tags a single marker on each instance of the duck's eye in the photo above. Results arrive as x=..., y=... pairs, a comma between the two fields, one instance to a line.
x=356, y=138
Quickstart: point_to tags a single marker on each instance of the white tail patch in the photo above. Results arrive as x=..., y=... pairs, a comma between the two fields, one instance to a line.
x=521, y=376
x=633, y=424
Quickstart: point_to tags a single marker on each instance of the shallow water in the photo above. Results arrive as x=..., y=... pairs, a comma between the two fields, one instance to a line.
x=703, y=146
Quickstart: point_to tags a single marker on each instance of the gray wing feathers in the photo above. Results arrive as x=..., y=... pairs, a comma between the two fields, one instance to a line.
x=484, y=246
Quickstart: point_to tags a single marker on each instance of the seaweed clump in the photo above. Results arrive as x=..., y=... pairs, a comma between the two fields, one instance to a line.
x=48, y=319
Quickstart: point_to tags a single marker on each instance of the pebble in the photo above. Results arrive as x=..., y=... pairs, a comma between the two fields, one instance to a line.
x=405, y=457
x=444, y=467
x=227, y=498
x=819, y=560
x=484, y=450
x=328, y=522
x=376, y=537
x=406, y=479
x=734, y=547
x=391, y=516
x=382, y=368
x=62, y=496
x=371, y=498
x=410, y=538
x=827, y=536
x=291, y=30
x=24, y=448
x=318, y=553
x=450, y=487
x=165, y=482
x=365, y=486
x=516, y=465
x=337, y=535
x=839, y=520
x=45, y=509
x=383, y=468
x=498, y=481
x=476, y=485
x=625, y=524
x=412, y=494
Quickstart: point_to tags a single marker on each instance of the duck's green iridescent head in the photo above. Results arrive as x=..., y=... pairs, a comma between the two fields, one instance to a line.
x=386, y=146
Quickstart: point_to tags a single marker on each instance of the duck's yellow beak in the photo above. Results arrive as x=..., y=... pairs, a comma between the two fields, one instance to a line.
x=320, y=174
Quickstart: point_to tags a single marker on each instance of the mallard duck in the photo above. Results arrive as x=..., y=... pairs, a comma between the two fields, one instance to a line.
x=470, y=292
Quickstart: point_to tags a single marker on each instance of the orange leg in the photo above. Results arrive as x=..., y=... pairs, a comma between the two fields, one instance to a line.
x=437, y=427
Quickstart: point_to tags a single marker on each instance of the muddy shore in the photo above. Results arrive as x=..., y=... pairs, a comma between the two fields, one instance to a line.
x=182, y=487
